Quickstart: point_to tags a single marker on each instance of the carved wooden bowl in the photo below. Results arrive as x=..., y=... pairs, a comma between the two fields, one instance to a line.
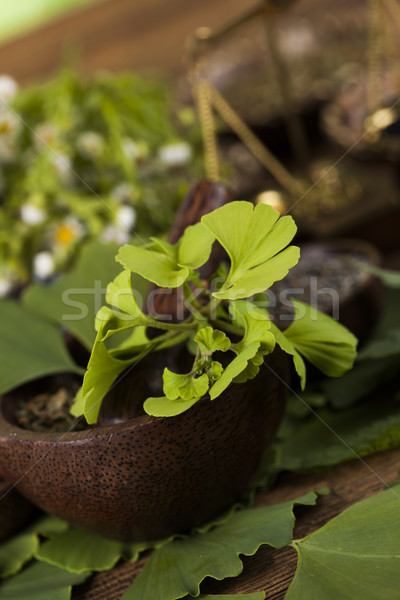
x=146, y=478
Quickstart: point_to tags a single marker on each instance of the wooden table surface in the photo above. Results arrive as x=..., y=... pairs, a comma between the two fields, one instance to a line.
x=272, y=570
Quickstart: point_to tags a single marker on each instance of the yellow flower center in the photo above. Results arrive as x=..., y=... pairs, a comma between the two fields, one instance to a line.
x=65, y=235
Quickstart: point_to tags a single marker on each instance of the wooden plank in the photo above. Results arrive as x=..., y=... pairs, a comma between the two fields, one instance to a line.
x=272, y=570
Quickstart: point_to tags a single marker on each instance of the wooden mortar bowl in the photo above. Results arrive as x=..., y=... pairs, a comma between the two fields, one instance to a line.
x=147, y=478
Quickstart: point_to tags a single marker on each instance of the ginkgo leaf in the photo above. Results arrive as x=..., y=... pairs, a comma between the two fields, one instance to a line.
x=255, y=596
x=120, y=294
x=154, y=265
x=356, y=556
x=15, y=552
x=254, y=239
x=211, y=340
x=72, y=299
x=328, y=437
x=30, y=347
x=40, y=581
x=177, y=568
x=184, y=386
x=257, y=337
x=327, y=344
x=194, y=247
x=102, y=371
x=81, y=551
x=164, y=407
x=287, y=346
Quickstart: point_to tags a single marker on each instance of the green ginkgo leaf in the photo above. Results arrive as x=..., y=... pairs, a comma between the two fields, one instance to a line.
x=211, y=340
x=103, y=370
x=257, y=338
x=30, y=347
x=121, y=295
x=40, y=581
x=255, y=240
x=184, y=386
x=356, y=556
x=14, y=553
x=177, y=569
x=80, y=551
x=164, y=407
x=194, y=247
x=327, y=344
x=154, y=265
x=71, y=300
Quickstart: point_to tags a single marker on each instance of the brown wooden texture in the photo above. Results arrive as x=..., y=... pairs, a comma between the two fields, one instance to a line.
x=272, y=570
x=116, y=35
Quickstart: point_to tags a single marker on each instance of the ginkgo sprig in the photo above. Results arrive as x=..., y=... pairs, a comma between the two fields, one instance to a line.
x=223, y=320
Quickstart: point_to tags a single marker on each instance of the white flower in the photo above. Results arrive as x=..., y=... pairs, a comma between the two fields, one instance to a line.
x=124, y=192
x=44, y=135
x=63, y=166
x=8, y=150
x=126, y=217
x=43, y=265
x=67, y=232
x=90, y=144
x=6, y=286
x=8, y=88
x=31, y=214
x=134, y=150
x=177, y=154
x=115, y=234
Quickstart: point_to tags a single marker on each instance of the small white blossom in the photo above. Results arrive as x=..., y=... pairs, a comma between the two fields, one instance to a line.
x=69, y=231
x=115, y=234
x=126, y=217
x=90, y=144
x=8, y=88
x=63, y=166
x=124, y=192
x=134, y=150
x=6, y=286
x=44, y=136
x=8, y=150
x=43, y=265
x=31, y=214
x=177, y=154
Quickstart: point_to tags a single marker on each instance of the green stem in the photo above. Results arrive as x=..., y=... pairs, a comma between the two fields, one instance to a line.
x=224, y=325
x=187, y=325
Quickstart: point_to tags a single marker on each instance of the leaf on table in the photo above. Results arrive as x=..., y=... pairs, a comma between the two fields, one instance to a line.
x=255, y=596
x=329, y=437
x=356, y=556
x=72, y=299
x=17, y=551
x=365, y=378
x=40, y=581
x=80, y=551
x=177, y=569
x=29, y=347
x=255, y=240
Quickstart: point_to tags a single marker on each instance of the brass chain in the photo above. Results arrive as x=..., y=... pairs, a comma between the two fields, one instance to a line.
x=202, y=99
x=375, y=52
